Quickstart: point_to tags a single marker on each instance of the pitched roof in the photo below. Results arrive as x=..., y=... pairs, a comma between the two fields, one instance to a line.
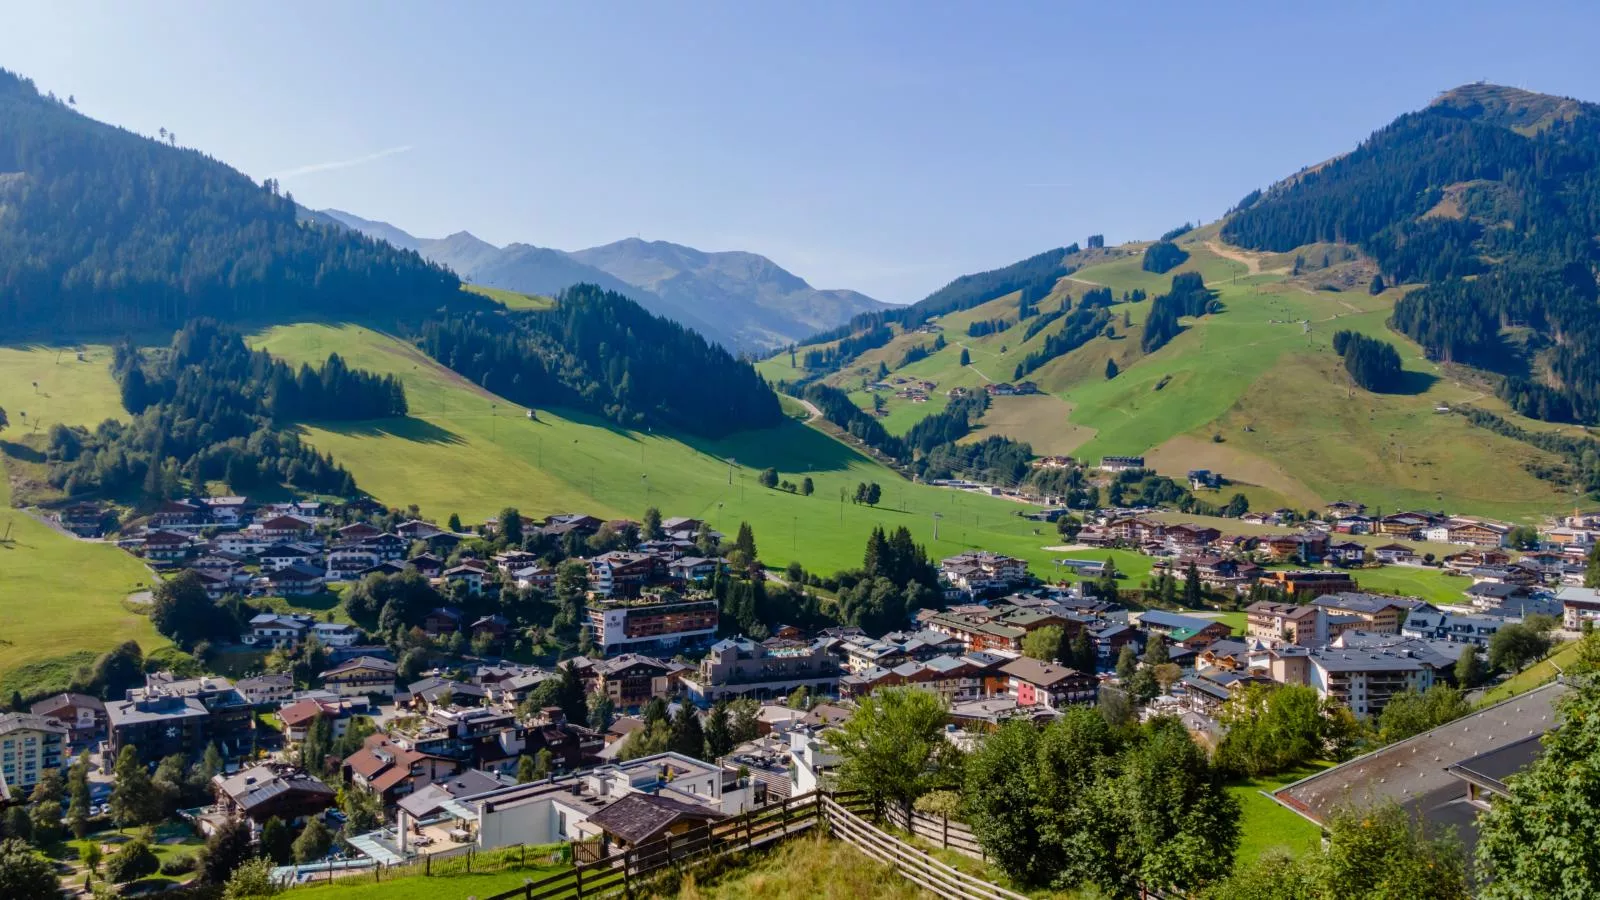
x=637, y=818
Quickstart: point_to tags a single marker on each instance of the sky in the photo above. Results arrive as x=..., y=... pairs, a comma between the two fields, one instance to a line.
x=884, y=146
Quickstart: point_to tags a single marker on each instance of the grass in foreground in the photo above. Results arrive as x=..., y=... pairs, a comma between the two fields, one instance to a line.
x=423, y=887
x=805, y=868
x=1263, y=824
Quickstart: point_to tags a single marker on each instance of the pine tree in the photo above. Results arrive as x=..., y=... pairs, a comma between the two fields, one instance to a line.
x=966, y=358
x=1085, y=658
x=688, y=737
x=133, y=797
x=746, y=541
x=1111, y=368
x=719, y=735
x=1193, y=591
x=1127, y=663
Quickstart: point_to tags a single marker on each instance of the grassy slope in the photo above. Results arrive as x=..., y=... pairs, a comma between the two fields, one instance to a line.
x=465, y=451
x=422, y=887
x=511, y=299
x=801, y=869
x=63, y=602
x=1263, y=824
x=69, y=392
x=1270, y=387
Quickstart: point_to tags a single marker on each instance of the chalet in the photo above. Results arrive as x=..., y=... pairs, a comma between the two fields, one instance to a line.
x=294, y=581
x=571, y=523
x=442, y=620
x=83, y=519
x=471, y=576
x=166, y=546
x=240, y=543
x=282, y=556
x=1347, y=553
x=495, y=626
x=298, y=717
x=980, y=571
x=383, y=568
x=620, y=573
x=1470, y=533
x=227, y=512
x=1338, y=509
x=1000, y=389
x=427, y=565
x=1188, y=540
x=360, y=676
x=417, y=530
x=82, y=714
x=349, y=561
x=1353, y=525
x=1223, y=573
x=214, y=584
x=512, y=560
x=389, y=547
x=1200, y=479
x=1404, y=525
x=285, y=528
x=633, y=680
x=179, y=514
x=1491, y=594
x=277, y=630
x=687, y=570
x=1027, y=387
x=1053, y=462
x=1121, y=463
x=1050, y=685
x=1307, y=548
x=1397, y=555
x=1512, y=574
x=357, y=532
x=266, y=690
x=390, y=771
x=681, y=527
x=1135, y=530
x=266, y=791
x=336, y=635
x=539, y=576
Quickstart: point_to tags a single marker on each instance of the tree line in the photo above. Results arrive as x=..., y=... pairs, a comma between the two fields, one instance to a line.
x=1188, y=296
x=598, y=351
x=209, y=408
x=1374, y=365
x=848, y=347
x=105, y=227
x=1163, y=256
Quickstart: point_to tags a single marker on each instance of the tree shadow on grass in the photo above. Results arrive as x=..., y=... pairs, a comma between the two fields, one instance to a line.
x=790, y=447
x=1412, y=383
x=404, y=427
x=22, y=452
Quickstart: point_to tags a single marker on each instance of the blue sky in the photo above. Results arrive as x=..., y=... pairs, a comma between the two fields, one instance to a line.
x=882, y=146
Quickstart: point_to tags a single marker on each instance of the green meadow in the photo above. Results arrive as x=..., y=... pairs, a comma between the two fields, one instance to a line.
x=465, y=451
x=1254, y=392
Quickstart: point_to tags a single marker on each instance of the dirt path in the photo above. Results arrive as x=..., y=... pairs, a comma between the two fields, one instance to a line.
x=974, y=367
x=811, y=408
x=1251, y=262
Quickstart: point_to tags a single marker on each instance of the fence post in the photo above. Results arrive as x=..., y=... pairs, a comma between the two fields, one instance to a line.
x=784, y=810
x=524, y=853
x=577, y=880
x=469, y=860
x=670, y=860
x=945, y=841
x=427, y=865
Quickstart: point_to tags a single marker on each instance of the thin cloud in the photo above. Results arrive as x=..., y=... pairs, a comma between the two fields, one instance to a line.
x=342, y=163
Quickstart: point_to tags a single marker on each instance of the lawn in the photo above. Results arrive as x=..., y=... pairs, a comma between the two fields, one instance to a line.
x=1264, y=824
x=1534, y=675
x=465, y=451
x=423, y=887
x=1433, y=585
x=63, y=603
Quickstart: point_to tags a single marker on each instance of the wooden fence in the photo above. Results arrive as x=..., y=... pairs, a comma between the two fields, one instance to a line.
x=619, y=872
x=938, y=830
x=914, y=865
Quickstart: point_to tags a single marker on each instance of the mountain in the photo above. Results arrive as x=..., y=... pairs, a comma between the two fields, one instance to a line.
x=773, y=306
x=741, y=300
x=1489, y=199
x=101, y=227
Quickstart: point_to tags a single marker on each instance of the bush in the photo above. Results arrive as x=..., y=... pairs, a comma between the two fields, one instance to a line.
x=179, y=865
x=134, y=861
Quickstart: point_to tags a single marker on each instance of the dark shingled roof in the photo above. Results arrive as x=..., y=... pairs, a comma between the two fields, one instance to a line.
x=638, y=818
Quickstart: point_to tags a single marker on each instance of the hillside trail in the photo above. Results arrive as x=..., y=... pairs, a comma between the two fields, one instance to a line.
x=1251, y=262
x=973, y=367
x=811, y=409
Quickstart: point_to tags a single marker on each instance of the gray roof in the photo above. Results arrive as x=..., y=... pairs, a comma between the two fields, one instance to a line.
x=637, y=818
x=1335, y=659
x=1415, y=772
x=10, y=722
x=135, y=712
x=1367, y=603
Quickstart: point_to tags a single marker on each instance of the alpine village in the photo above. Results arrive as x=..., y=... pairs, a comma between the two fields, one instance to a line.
x=1257, y=560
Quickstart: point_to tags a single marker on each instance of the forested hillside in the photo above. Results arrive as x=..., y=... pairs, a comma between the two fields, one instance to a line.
x=1490, y=198
x=207, y=408
x=1035, y=277
x=102, y=227
x=601, y=352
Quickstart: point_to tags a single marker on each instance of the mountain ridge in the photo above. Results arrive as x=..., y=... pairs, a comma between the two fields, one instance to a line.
x=735, y=297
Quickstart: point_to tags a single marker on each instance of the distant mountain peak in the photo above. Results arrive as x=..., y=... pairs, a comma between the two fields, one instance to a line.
x=1507, y=107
